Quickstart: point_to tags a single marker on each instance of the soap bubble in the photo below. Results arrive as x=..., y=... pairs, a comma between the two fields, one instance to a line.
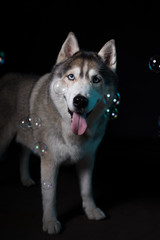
x=34, y=121
x=24, y=124
x=111, y=113
x=46, y=185
x=107, y=112
x=154, y=64
x=40, y=149
x=2, y=57
x=116, y=99
x=60, y=87
x=111, y=110
x=30, y=122
x=107, y=98
x=114, y=113
x=159, y=127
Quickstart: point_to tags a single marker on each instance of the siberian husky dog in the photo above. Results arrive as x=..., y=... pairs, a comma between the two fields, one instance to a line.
x=60, y=116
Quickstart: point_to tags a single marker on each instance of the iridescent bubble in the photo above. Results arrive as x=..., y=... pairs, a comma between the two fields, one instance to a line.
x=107, y=98
x=21, y=124
x=46, y=185
x=107, y=112
x=111, y=110
x=116, y=99
x=60, y=87
x=24, y=124
x=154, y=64
x=30, y=122
x=40, y=149
x=34, y=121
x=159, y=127
x=2, y=57
x=111, y=113
x=114, y=113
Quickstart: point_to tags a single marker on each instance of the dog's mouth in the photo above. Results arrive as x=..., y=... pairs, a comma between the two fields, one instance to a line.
x=71, y=113
x=78, y=122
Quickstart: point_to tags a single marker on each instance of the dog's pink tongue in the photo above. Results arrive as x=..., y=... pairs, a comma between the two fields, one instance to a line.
x=79, y=123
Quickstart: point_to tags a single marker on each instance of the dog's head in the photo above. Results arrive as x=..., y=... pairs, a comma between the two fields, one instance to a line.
x=80, y=79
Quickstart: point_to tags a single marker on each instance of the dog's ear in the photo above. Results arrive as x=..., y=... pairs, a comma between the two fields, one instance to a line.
x=69, y=47
x=108, y=54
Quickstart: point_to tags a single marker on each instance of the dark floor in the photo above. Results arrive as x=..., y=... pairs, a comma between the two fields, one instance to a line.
x=126, y=186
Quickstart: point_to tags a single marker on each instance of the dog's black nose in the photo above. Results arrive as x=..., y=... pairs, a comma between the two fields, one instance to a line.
x=80, y=102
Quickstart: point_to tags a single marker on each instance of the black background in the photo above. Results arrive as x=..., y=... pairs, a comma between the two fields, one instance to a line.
x=126, y=176
x=32, y=34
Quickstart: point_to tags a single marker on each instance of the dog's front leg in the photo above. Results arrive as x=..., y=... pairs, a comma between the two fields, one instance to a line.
x=49, y=172
x=84, y=169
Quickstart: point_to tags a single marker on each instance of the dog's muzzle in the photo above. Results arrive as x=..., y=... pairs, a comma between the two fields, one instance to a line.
x=78, y=116
x=80, y=103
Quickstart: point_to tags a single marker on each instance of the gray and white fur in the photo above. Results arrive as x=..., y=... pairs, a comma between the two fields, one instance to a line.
x=72, y=123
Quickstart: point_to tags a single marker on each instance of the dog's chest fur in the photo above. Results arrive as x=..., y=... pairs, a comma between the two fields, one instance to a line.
x=70, y=149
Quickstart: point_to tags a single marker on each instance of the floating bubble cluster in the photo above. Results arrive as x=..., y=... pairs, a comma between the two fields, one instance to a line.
x=40, y=149
x=46, y=185
x=30, y=122
x=154, y=64
x=112, y=111
x=60, y=87
x=2, y=57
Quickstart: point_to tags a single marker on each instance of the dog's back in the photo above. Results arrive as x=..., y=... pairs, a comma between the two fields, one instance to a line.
x=14, y=94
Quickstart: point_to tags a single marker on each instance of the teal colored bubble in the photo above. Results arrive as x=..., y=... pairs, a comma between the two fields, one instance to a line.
x=40, y=149
x=154, y=64
x=116, y=99
x=2, y=57
x=114, y=113
x=107, y=98
x=46, y=185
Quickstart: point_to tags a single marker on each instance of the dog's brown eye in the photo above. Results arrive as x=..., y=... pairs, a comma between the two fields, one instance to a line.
x=71, y=77
x=96, y=79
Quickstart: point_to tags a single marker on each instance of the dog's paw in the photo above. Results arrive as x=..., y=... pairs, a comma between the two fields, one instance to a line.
x=52, y=227
x=95, y=214
x=27, y=182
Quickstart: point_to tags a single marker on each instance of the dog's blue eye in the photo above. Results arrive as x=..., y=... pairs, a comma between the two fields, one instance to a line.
x=96, y=79
x=71, y=77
